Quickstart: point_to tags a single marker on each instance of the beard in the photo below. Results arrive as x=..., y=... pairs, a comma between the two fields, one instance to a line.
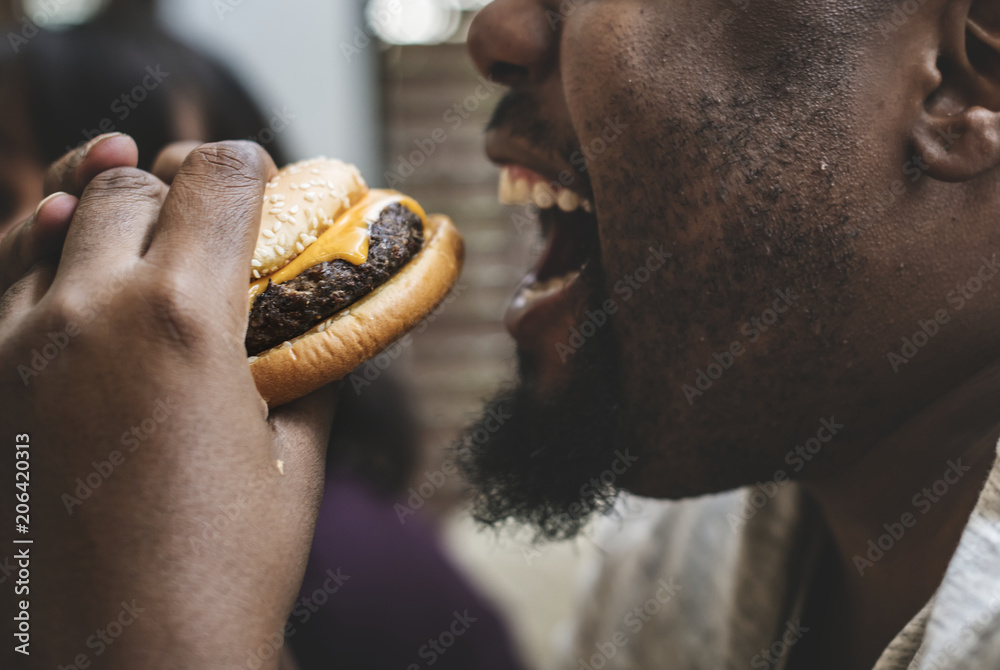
x=550, y=462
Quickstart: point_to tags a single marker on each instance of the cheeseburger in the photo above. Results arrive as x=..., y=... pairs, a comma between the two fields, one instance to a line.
x=340, y=271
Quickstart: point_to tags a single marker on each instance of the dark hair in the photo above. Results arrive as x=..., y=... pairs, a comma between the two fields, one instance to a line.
x=80, y=78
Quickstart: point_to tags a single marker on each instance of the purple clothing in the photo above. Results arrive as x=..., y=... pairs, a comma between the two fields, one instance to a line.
x=383, y=595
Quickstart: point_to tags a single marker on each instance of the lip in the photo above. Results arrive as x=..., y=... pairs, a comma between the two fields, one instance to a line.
x=504, y=148
x=553, y=296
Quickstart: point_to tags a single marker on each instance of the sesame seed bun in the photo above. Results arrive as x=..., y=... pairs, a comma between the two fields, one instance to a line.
x=300, y=203
x=335, y=347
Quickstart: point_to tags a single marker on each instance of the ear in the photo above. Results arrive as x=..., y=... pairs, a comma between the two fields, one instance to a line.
x=958, y=135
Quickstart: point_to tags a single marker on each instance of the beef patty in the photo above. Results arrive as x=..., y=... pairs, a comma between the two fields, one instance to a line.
x=284, y=311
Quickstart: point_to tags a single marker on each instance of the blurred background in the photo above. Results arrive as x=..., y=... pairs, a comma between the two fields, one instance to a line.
x=371, y=82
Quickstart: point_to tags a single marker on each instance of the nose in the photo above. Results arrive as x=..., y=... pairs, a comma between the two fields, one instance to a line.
x=512, y=41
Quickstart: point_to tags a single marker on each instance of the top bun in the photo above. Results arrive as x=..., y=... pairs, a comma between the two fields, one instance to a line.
x=300, y=203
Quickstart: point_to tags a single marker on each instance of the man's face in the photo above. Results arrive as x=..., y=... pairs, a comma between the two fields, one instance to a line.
x=747, y=162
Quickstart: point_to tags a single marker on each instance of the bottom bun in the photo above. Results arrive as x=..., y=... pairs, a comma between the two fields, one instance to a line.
x=337, y=346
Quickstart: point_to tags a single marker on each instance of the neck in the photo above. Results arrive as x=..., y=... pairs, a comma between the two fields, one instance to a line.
x=896, y=516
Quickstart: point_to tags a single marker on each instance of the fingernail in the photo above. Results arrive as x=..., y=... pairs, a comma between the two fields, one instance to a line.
x=97, y=140
x=38, y=210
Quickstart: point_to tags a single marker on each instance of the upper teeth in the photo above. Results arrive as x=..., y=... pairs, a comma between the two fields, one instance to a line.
x=520, y=190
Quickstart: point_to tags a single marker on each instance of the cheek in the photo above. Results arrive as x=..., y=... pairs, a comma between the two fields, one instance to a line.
x=634, y=87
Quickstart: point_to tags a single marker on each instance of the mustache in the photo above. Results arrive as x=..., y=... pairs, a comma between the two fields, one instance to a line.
x=521, y=114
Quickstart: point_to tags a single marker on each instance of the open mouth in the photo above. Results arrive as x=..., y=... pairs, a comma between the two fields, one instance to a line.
x=552, y=292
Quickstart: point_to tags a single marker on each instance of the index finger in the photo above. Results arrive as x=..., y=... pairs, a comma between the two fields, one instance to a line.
x=71, y=173
x=210, y=220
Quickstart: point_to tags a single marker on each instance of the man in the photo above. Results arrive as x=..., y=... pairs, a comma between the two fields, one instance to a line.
x=795, y=253
x=789, y=276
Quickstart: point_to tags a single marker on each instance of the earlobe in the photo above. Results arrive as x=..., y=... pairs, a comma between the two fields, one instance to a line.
x=958, y=147
x=958, y=133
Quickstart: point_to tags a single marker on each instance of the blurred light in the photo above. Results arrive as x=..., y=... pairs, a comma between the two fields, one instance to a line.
x=465, y=5
x=415, y=21
x=62, y=13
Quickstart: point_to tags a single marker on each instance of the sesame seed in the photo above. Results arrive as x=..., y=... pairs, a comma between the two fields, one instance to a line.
x=268, y=233
x=294, y=187
x=255, y=263
x=309, y=239
x=275, y=211
x=284, y=218
x=299, y=247
x=322, y=213
x=310, y=196
x=304, y=186
x=294, y=209
x=277, y=226
x=281, y=238
x=252, y=359
x=279, y=249
x=287, y=345
x=280, y=196
x=256, y=274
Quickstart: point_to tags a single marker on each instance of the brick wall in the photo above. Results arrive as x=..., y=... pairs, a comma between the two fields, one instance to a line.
x=465, y=353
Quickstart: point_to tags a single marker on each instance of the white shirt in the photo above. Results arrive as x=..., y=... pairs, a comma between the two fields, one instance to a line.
x=718, y=582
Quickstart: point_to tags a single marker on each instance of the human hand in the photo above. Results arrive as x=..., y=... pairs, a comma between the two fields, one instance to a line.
x=156, y=488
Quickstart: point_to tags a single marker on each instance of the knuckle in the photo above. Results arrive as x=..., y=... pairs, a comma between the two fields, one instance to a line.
x=174, y=308
x=127, y=182
x=67, y=308
x=228, y=160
